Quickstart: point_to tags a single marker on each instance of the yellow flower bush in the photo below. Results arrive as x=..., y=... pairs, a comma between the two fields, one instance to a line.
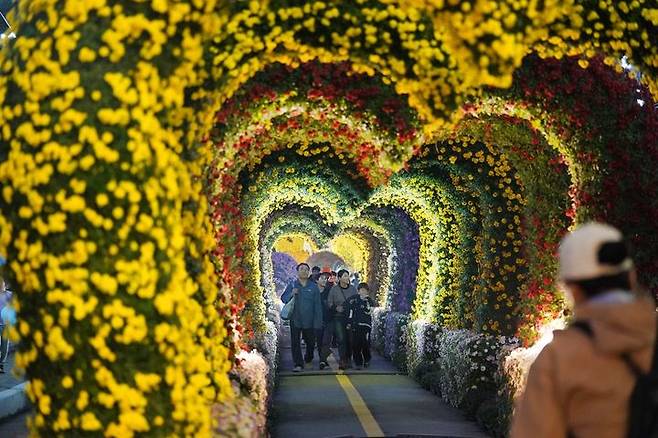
x=103, y=219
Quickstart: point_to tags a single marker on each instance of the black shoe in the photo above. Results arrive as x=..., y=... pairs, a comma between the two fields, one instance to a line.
x=323, y=365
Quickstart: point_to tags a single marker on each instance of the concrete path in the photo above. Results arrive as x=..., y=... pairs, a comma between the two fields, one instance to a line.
x=15, y=426
x=374, y=402
x=8, y=380
x=12, y=391
x=13, y=402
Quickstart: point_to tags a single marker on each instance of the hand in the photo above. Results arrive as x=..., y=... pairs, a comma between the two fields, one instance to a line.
x=295, y=291
x=339, y=308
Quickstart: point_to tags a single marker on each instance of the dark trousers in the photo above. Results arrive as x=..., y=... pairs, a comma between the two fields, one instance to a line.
x=309, y=339
x=325, y=341
x=361, y=347
x=342, y=337
x=319, y=335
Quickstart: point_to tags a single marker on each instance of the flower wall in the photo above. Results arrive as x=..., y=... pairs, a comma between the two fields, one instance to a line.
x=152, y=153
x=285, y=270
x=477, y=373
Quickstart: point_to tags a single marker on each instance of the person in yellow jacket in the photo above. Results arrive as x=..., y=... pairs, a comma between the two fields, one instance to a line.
x=580, y=386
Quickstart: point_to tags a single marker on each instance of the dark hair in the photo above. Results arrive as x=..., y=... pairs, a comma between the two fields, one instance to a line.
x=303, y=264
x=333, y=273
x=363, y=286
x=316, y=268
x=596, y=286
x=343, y=271
x=612, y=253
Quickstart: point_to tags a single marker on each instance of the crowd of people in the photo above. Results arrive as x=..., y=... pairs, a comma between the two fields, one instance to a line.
x=605, y=363
x=329, y=307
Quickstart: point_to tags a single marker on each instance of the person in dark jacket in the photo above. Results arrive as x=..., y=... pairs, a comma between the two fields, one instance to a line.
x=325, y=334
x=315, y=274
x=336, y=301
x=306, y=315
x=359, y=321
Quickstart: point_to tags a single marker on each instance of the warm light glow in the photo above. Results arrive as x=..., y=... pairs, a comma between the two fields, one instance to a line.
x=546, y=335
x=354, y=250
x=521, y=359
x=299, y=246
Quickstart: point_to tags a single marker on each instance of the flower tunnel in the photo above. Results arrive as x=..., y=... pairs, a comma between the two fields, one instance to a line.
x=153, y=156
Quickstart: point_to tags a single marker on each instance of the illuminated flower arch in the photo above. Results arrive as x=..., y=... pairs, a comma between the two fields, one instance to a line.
x=121, y=220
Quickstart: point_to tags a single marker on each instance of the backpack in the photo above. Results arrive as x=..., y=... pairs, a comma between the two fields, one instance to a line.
x=643, y=404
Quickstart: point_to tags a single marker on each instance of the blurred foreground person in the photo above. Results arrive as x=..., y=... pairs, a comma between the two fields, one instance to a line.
x=594, y=380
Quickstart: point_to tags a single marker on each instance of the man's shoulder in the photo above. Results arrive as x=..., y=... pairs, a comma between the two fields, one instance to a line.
x=569, y=346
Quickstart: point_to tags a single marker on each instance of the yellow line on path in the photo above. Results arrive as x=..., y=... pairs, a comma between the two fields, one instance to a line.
x=359, y=406
x=368, y=422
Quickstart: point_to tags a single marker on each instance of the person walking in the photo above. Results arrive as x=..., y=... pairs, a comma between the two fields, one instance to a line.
x=359, y=322
x=315, y=274
x=356, y=280
x=580, y=385
x=325, y=334
x=7, y=319
x=306, y=315
x=328, y=326
x=337, y=304
x=333, y=279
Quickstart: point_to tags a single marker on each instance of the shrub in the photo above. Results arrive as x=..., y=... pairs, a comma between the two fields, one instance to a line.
x=394, y=344
x=244, y=414
x=378, y=334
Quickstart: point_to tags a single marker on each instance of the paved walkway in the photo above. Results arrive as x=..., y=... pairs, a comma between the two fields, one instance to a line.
x=8, y=380
x=14, y=426
x=374, y=402
x=329, y=403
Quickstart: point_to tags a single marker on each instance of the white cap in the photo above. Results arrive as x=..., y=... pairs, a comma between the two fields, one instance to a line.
x=579, y=253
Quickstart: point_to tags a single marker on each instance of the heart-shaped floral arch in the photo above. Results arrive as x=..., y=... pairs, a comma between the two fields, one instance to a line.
x=129, y=133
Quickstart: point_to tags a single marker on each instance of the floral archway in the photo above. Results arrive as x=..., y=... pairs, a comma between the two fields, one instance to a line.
x=133, y=132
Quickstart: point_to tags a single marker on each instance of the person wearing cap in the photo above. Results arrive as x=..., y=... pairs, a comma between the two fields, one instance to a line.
x=580, y=384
